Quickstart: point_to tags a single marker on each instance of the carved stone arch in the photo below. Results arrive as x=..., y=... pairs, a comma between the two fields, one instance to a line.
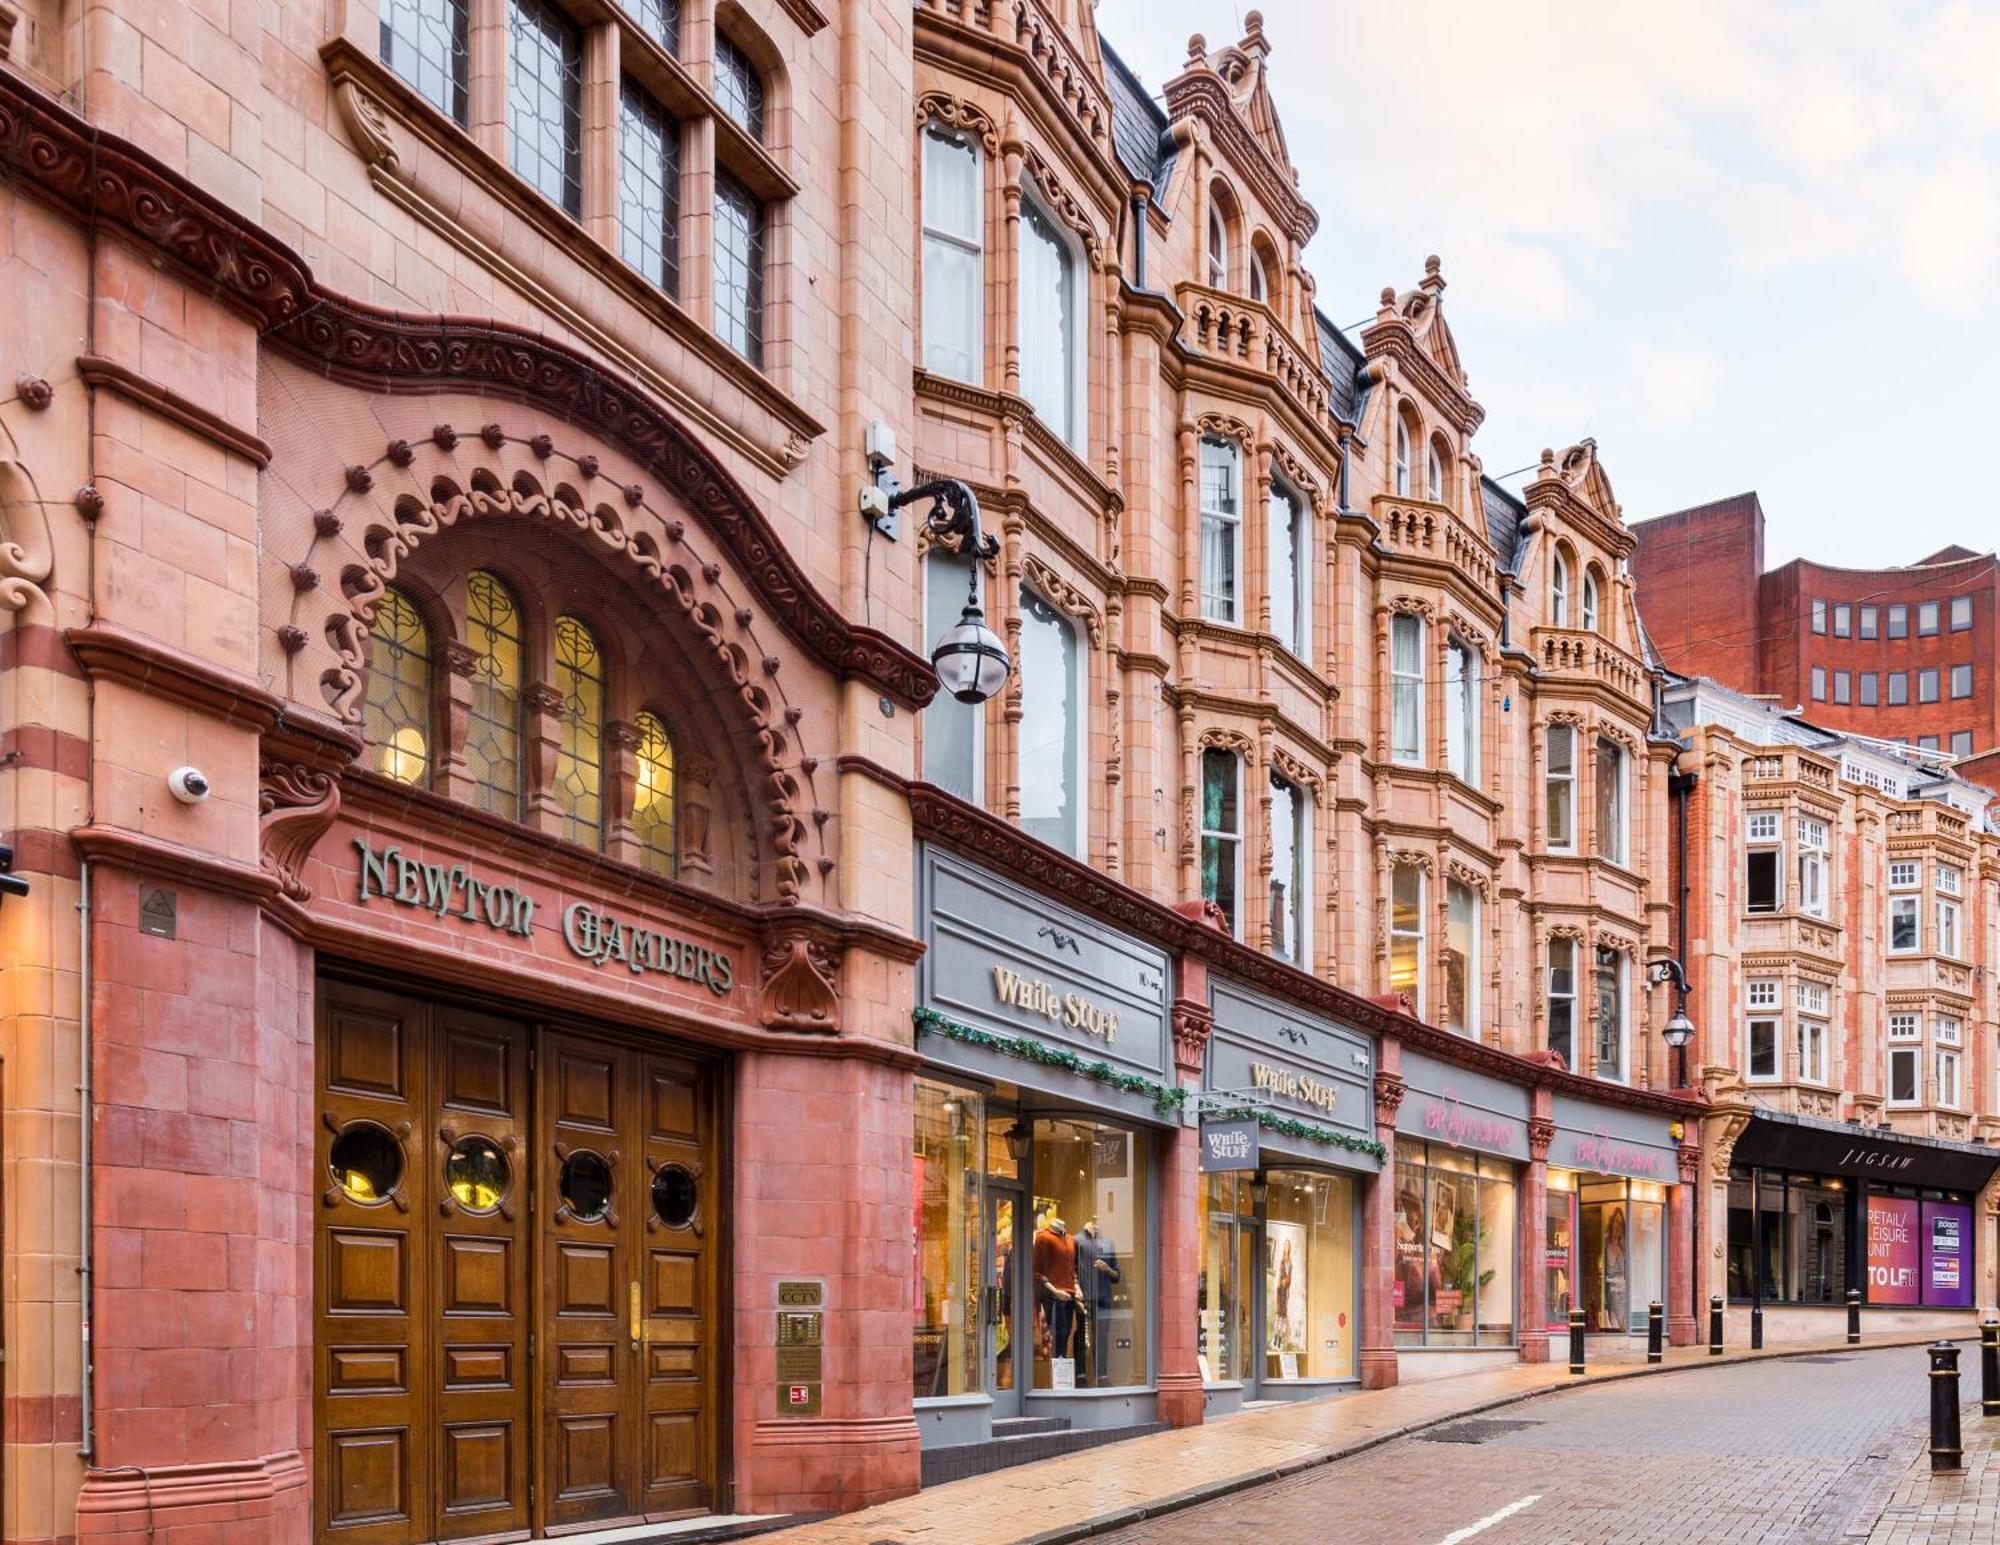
x=1227, y=428
x=957, y=113
x=1611, y=729
x=1217, y=739
x=1421, y=859
x=1294, y=471
x=776, y=780
x=1617, y=943
x=27, y=547
x=1567, y=716
x=1063, y=596
x=1061, y=203
x=1295, y=771
x=1566, y=931
x=1472, y=633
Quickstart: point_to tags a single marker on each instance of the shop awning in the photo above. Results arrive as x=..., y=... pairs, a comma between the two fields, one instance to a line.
x=1774, y=1140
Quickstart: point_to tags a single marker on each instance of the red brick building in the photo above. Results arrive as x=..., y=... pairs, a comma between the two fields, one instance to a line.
x=1905, y=653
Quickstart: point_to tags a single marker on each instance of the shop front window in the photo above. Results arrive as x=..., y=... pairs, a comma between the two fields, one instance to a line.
x=1455, y=1248
x=1806, y=1239
x=1308, y=1276
x=1091, y=1252
x=1559, y=1248
x=1621, y=1229
x=948, y=1186
x=1228, y=1263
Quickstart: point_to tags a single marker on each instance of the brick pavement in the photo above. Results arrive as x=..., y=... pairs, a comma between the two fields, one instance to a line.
x=1917, y=1507
x=1147, y=1478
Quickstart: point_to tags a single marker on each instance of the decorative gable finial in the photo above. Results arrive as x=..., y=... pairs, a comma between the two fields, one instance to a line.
x=1433, y=280
x=1197, y=49
x=1254, y=41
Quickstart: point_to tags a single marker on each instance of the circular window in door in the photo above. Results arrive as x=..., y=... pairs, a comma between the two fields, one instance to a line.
x=674, y=1195
x=586, y=1185
x=366, y=1161
x=476, y=1173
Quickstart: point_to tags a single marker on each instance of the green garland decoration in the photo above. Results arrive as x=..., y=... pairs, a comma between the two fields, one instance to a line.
x=1289, y=1126
x=1170, y=1098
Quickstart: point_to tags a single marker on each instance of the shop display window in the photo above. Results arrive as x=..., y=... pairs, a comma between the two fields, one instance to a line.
x=1621, y=1261
x=1228, y=1263
x=1309, y=1328
x=1093, y=1189
x=1559, y=1249
x=1456, y=1236
x=948, y=1190
x=1806, y=1228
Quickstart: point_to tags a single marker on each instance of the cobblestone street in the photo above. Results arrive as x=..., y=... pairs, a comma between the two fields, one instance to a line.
x=1809, y=1449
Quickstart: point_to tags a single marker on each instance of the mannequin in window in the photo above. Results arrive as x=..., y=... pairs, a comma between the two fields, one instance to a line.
x=1055, y=1283
x=1098, y=1272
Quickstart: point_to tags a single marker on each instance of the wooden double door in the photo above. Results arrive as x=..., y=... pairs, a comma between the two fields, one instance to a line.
x=516, y=1251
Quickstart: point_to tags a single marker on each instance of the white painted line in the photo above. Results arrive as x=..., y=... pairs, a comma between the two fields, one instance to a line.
x=1459, y=1536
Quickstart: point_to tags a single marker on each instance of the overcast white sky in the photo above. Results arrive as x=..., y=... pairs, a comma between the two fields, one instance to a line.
x=1744, y=243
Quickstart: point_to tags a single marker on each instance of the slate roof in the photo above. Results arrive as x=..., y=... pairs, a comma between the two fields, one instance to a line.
x=1138, y=126
x=1342, y=362
x=1504, y=515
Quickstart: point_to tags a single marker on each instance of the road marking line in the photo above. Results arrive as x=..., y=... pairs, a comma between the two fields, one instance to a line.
x=1458, y=1536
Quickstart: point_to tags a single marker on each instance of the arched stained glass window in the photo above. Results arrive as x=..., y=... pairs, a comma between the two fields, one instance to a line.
x=493, y=729
x=579, y=781
x=397, y=710
x=653, y=795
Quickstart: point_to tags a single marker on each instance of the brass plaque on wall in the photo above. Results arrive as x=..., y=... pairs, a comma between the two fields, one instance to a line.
x=802, y=1295
x=798, y=1330
x=800, y=1364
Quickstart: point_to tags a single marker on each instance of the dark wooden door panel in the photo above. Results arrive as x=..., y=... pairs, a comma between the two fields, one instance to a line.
x=678, y=1380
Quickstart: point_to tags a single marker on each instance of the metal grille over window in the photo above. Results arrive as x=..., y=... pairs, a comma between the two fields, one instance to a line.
x=398, y=708
x=660, y=18
x=493, y=729
x=739, y=268
x=653, y=795
x=579, y=778
x=424, y=41
x=649, y=189
x=739, y=91
x=545, y=101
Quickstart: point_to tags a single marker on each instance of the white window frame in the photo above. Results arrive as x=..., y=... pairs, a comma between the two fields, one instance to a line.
x=1815, y=866
x=1218, y=247
x=1621, y=823
x=1950, y=879
x=1774, y=1025
x=1454, y=891
x=1905, y=874
x=1402, y=453
x=1300, y=900
x=1912, y=906
x=1589, y=617
x=1557, y=995
x=1763, y=992
x=1561, y=793
x=1961, y=613
x=1406, y=691
x=1812, y=998
x=1950, y=938
x=1433, y=474
x=1287, y=499
x=1076, y=336
x=972, y=245
x=1763, y=838
x=1228, y=524
x=1461, y=688
x=1949, y=1030
x=1905, y=1026
x=936, y=560
x=1559, y=591
x=1231, y=841
x=1622, y=974
x=1950, y=1086
x=1913, y=1056
x=1078, y=690
x=1416, y=935
x=1811, y=1047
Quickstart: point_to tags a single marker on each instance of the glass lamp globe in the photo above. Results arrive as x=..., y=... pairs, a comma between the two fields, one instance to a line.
x=1679, y=1030
x=970, y=660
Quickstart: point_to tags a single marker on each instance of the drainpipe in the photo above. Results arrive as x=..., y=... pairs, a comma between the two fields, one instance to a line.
x=1140, y=197
x=86, y=1274
x=1680, y=788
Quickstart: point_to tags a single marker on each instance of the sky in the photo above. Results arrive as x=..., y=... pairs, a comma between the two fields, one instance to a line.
x=1745, y=244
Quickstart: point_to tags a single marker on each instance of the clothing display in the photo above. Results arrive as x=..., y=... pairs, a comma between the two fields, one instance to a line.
x=1098, y=1271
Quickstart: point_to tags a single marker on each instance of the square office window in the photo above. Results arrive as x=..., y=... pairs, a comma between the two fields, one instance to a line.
x=1961, y=613
x=1899, y=622
x=1899, y=688
x=1905, y=874
x=1871, y=689
x=1903, y=925
x=1761, y=993
x=1905, y=1027
x=1903, y=1075
x=1927, y=684
x=1819, y=683
x=1871, y=620
x=1961, y=681
x=1843, y=620
x=1961, y=742
x=1819, y=616
x=1927, y=618
x=1843, y=687
x=1927, y=743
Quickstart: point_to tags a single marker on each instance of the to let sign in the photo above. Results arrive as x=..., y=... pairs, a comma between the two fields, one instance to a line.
x=1229, y=1145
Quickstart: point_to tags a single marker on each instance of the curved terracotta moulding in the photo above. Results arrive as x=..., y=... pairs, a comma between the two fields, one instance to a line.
x=60, y=157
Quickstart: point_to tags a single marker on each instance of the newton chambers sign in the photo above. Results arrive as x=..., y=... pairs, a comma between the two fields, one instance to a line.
x=451, y=890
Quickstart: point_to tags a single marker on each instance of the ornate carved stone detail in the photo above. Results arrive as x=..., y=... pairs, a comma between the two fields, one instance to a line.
x=34, y=391
x=1193, y=1025
x=1465, y=874
x=1567, y=716
x=460, y=658
x=368, y=126
x=798, y=991
x=1295, y=472
x=957, y=113
x=1417, y=856
x=1409, y=606
x=1566, y=931
x=1389, y=1091
x=1225, y=427
x=1541, y=1132
x=1227, y=740
x=27, y=552
x=1295, y=771
x=1063, y=204
x=1690, y=1163
x=1617, y=943
x=1064, y=596
x=296, y=803
x=541, y=697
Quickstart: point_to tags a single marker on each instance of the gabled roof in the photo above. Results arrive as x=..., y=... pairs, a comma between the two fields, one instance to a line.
x=1138, y=127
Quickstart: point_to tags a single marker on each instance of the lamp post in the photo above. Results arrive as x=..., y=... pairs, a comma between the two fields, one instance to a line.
x=1679, y=1030
x=970, y=660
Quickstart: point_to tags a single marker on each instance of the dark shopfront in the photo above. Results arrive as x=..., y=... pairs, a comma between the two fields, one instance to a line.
x=1042, y=1113
x=1825, y=1206
x=1278, y=1297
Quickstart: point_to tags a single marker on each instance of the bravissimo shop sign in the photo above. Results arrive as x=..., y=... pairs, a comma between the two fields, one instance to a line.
x=590, y=932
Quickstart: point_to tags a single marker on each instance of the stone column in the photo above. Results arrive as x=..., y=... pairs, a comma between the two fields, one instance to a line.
x=1378, y=1231
x=1533, y=1307
x=1179, y=1375
x=1683, y=1328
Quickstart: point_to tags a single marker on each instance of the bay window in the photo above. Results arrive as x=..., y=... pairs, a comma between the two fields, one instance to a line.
x=1289, y=937
x=1403, y=456
x=1610, y=800
x=1812, y=1000
x=1903, y=925
x=1222, y=833
x=954, y=311
x=1559, y=591
x=1221, y=527
x=1052, y=726
x=1763, y=862
x=1590, y=597
x=1291, y=590
x=1812, y=867
x=1562, y=1000
x=1562, y=788
x=1760, y=1049
x=1610, y=1014
x=1461, y=708
x=1406, y=687
x=1461, y=959
x=1434, y=474
x=1049, y=338
x=1947, y=1078
x=1406, y=933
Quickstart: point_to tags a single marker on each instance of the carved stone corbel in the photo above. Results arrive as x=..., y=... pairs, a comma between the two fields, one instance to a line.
x=798, y=992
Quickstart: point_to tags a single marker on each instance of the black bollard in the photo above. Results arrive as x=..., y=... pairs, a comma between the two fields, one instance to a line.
x=1715, y=1326
x=1656, y=1324
x=1854, y=1317
x=1576, y=1341
x=1756, y=1327
x=1989, y=1368
x=1946, y=1454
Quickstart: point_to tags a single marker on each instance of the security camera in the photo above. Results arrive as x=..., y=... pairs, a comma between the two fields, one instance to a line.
x=188, y=784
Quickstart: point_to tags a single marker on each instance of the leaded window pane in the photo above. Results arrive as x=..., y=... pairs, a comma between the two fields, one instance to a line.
x=653, y=795
x=649, y=188
x=493, y=727
x=424, y=41
x=545, y=101
x=739, y=90
x=739, y=268
x=579, y=777
x=397, y=711
x=660, y=18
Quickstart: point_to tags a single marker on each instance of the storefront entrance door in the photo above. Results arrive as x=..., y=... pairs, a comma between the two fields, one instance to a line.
x=515, y=1257
x=1009, y=1318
